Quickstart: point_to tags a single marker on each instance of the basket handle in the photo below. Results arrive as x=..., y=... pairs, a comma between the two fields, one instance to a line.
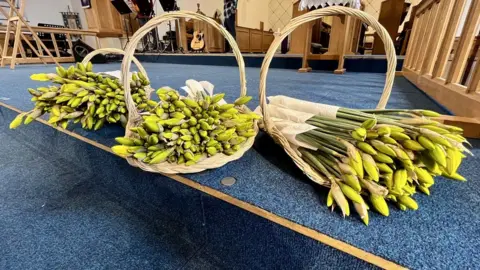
x=129, y=51
x=89, y=57
x=314, y=15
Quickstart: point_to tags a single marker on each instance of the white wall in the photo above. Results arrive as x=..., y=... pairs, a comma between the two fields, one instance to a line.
x=46, y=11
x=250, y=12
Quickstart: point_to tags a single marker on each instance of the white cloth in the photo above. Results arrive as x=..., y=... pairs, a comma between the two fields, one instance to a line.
x=304, y=106
x=307, y=4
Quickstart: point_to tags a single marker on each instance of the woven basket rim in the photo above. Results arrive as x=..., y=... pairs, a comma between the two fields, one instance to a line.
x=292, y=25
x=215, y=161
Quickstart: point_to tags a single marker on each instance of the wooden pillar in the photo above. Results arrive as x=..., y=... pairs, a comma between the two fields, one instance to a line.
x=18, y=31
x=337, y=35
x=470, y=30
x=306, y=48
x=421, y=38
x=412, y=42
x=438, y=34
x=427, y=36
x=449, y=38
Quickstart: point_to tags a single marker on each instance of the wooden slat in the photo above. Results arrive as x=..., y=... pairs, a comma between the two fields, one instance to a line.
x=7, y=37
x=32, y=47
x=412, y=42
x=474, y=85
x=428, y=34
x=470, y=30
x=449, y=38
x=22, y=50
x=418, y=42
x=438, y=33
x=69, y=41
x=17, y=40
x=423, y=38
x=39, y=48
x=55, y=45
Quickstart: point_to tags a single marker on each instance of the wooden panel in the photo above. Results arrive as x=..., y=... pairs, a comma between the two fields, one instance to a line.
x=267, y=40
x=338, y=34
x=243, y=39
x=216, y=41
x=255, y=40
x=449, y=37
x=470, y=29
x=103, y=18
x=181, y=34
x=299, y=35
x=390, y=17
x=438, y=33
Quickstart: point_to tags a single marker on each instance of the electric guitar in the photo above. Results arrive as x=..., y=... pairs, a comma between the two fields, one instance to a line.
x=198, y=42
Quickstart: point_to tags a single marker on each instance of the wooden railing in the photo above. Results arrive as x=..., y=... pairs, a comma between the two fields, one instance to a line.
x=31, y=50
x=449, y=75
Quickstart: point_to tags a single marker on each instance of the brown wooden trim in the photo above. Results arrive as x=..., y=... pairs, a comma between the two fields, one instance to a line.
x=452, y=96
x=323, y=238
x=470, y=126
x=37, y=29
x=38, y=60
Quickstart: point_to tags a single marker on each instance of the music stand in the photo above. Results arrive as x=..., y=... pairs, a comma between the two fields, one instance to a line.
x=169, y=6
x=125, y=11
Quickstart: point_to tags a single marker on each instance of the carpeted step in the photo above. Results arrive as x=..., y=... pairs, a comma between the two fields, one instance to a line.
x=68, y=204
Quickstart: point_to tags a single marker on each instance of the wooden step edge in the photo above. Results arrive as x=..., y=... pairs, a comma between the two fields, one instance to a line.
x=470, y=125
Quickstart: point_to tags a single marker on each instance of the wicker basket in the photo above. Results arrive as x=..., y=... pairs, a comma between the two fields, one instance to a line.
x=292, y=25
x=134, y=119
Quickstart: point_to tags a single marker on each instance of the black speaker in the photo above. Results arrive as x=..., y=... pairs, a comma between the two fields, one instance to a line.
x=169, y=5
x=81, y=49
x=121, y=6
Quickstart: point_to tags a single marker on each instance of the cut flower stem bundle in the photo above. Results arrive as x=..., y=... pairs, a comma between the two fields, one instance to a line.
x=370, y=157
x=185, y=130
x=81, y=95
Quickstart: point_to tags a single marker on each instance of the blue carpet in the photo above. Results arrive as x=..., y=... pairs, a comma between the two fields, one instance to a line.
x=440, y=235
x=65, y=204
